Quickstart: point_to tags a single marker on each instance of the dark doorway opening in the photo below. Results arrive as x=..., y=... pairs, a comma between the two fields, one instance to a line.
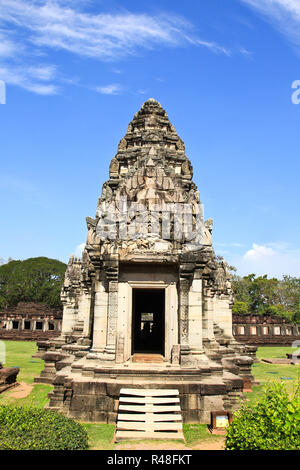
x=148, y=325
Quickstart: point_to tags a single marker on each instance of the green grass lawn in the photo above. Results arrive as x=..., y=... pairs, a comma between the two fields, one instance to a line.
x=100, y=435
x=265, y=373
x=19, y=353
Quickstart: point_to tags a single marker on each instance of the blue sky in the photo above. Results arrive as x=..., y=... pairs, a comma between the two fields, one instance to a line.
x=77, y=71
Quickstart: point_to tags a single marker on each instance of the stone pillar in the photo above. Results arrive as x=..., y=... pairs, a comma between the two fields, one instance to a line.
x=223, y=314
x=195, y=316
x=208, y=315
x=171, y=320
x=112, y=317
x=84, y=310
x=100, y=317
x=124, y=322
x=69, y=318
x=183, y=318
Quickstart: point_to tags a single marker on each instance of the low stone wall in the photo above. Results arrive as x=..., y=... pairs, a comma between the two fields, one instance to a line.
x=92, y=400
x=30, y=321
x=23, y=335
x=264, y=330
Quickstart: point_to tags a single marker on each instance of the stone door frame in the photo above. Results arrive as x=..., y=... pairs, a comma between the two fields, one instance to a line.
x=157, y=291
x=125, y=314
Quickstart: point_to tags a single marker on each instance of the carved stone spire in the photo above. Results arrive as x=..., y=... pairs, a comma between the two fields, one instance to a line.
x=151, y=133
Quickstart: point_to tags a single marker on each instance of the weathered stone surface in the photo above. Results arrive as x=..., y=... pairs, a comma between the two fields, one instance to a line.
x=8, y=377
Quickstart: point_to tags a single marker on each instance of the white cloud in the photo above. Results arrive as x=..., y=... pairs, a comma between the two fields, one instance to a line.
x=79, y=250
x=274, y=259
x=43, y=73
x=37, y=26
x=283, y=14
x=29, y=78
x=7, y=48
x=258, y=252
x=112, y=89
x=103, y=35
x=212, y=46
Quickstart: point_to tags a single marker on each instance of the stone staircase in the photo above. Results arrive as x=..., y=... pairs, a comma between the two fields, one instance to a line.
x=149, y=414
x=236, y=358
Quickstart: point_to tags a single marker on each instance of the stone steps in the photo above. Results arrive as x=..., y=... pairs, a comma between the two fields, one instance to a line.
x=149, y=414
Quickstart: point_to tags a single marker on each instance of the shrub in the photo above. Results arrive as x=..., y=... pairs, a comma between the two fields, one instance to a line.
x=273, y=423
x=37, y=429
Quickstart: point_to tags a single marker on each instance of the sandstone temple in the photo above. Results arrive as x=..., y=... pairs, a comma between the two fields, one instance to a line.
x=149, y=304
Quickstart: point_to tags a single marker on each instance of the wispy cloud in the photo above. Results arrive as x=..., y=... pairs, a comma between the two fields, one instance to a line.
x=38, y=26
x=101, y=36
x=283, y=14
x=30, y=78
x=7, y=47
x=214, y=47
x=113, y=89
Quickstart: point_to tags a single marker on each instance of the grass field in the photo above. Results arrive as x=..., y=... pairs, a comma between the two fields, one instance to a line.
x=19, y=353
x=265, y=373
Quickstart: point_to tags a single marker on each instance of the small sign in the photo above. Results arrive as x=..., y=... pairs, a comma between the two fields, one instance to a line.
x=222, y=421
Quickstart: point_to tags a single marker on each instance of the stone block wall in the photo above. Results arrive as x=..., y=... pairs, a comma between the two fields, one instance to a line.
x=264, y=330
x=30, y=321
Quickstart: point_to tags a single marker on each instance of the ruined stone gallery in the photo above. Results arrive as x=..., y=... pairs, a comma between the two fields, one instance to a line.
x=149, y=304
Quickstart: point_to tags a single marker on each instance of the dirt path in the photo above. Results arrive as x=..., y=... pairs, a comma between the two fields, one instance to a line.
x=21, y=391
x=204, y=445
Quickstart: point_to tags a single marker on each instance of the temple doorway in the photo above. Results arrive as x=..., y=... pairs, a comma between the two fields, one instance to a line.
x=148, y=321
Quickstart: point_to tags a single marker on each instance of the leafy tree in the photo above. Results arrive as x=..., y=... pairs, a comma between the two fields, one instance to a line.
x=264, y=296
x=240, y=308
x=32, y=280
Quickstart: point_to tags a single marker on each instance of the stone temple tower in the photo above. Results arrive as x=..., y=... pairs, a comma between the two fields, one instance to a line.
x=149, y=303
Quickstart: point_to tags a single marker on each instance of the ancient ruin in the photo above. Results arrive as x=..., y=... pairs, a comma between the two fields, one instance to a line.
x=149, y=303
x=260, y=330
x=30, y=321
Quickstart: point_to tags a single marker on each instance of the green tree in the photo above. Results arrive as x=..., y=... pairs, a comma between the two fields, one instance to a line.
x=240, y=308
x=32, y=280
x=263, y=296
